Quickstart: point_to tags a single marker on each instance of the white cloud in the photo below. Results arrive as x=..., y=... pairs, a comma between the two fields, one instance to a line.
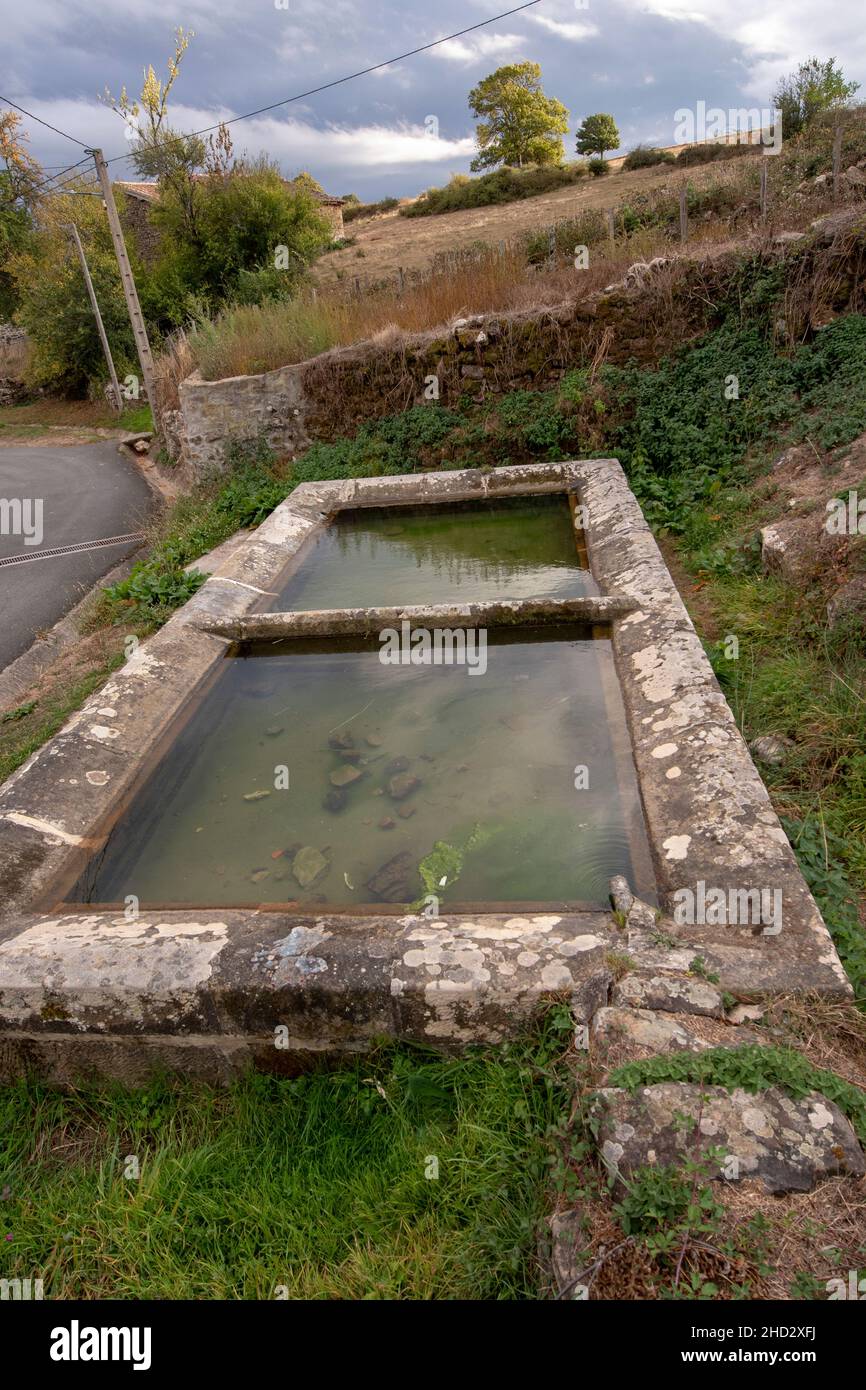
x=564, y=29
x=293, y=142
x=483, y=46
x=778, y=35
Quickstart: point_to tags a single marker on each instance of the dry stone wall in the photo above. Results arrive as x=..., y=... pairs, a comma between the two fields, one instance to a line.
x=333, y=394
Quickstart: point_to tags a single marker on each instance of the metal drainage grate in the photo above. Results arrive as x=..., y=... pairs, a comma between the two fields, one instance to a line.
x=77, y=549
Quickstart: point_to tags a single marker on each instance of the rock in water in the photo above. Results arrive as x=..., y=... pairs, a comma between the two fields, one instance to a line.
x=308, y=865
x=255, y=796
x=339, y=741
x=344, y=776
x=392, y=881
x=374, y=741
x=396, y=765
x=403, y=785
x=335, y=799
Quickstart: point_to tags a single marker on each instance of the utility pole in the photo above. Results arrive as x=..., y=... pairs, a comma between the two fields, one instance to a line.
x=136, y=317
x=116, y=399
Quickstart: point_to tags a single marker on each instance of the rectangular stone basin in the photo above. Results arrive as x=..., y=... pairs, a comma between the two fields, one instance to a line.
x=507, y=548
x=314, y=774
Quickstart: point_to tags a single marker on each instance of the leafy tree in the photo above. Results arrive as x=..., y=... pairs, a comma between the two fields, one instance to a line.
x=222, y=220
x=306, y=181
x=814, y=88
x=596, y=134
x=19, y=179
x=163, y=154
x=519, y=124
x=53, y=303
x=248, y=222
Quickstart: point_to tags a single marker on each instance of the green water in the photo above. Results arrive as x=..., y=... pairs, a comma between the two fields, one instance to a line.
x=491, y=756
x=513, y=548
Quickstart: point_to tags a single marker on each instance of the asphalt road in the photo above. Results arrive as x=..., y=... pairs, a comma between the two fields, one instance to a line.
x=88, y=492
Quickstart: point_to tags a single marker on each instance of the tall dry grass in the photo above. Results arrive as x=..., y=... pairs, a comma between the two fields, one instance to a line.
x=248, y=339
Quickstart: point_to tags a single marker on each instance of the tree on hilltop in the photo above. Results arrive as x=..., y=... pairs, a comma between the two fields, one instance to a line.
x=596, y=134
x=519, y=124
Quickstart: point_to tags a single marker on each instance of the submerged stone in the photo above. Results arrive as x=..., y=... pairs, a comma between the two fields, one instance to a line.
x=396, y=765
x=344, y=776
x=391, y=881
x=403, y=785
x=308, y=865
x=335, y=799
x=339, y=741
x=255, y=796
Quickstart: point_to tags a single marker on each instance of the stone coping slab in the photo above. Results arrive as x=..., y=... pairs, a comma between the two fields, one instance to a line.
x=275, y=627
x=708, y=815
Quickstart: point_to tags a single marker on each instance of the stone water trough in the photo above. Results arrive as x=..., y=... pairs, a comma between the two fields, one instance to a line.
x=101, y=991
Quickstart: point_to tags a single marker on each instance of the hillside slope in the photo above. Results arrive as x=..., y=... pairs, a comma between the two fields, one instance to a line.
x=387, y=242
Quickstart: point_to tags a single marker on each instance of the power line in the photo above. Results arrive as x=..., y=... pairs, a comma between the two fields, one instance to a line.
x=350, y=77
x=53, y=178
x=285, y=101
x=39, y=119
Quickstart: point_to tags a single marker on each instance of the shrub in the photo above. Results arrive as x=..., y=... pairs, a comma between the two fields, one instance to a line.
x=598, y=167
x=710, y=152
x=396, y=444
x=587, y=229
x=643, y=156
x=355, y=209
x=238, y=221
x=506, y=185
x=53, y=304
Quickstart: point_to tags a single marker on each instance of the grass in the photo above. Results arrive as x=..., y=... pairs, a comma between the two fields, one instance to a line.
x=35, y=417
x=478, y=279
x=325, y=1185
x=319, y=1185
x=27, y=727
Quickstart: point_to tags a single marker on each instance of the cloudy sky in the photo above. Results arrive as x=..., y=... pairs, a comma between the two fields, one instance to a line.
x=641, y=60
